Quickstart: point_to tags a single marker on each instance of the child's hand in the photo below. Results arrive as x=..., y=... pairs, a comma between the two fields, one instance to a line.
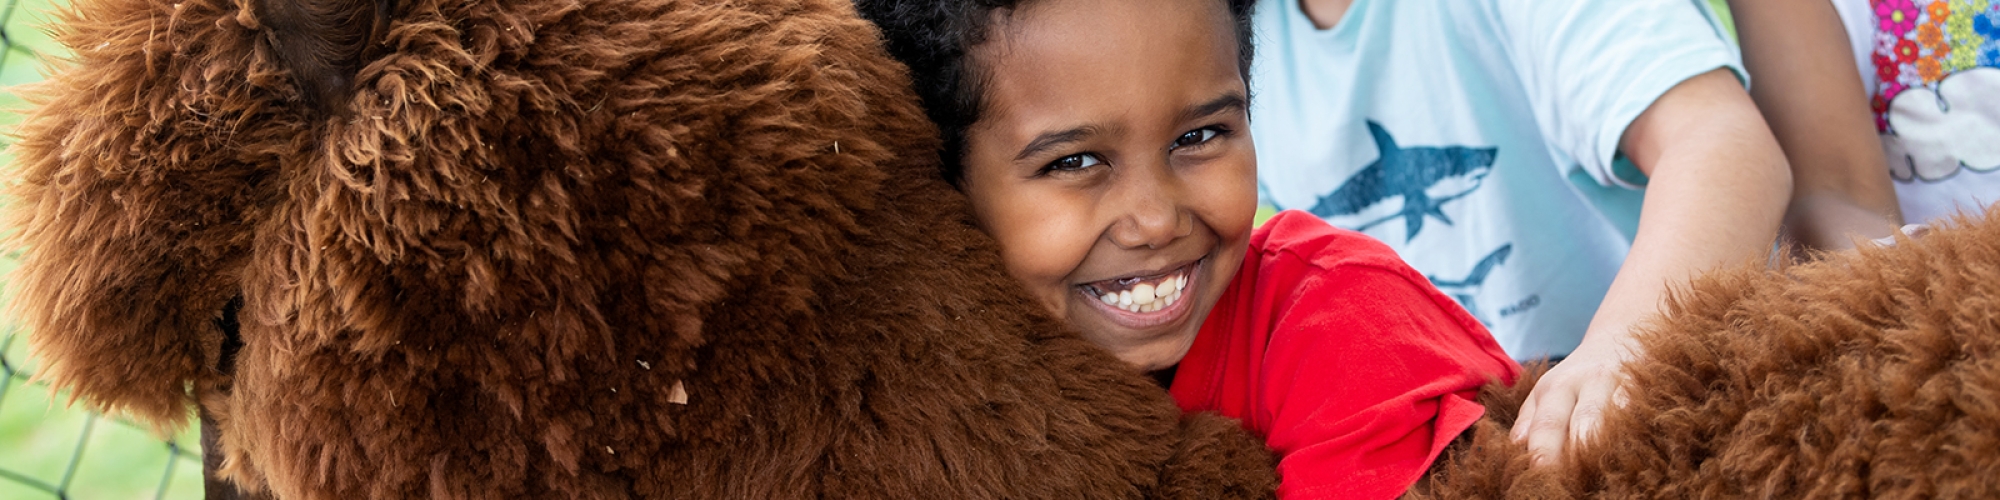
x=1569, y=402
x=1717, y=188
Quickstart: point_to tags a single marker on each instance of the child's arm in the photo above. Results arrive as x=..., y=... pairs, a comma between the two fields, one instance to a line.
x=1804, y=81
x=1718, y=187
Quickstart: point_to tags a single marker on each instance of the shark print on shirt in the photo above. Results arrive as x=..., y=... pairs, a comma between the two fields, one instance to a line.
x=1423, y=178
x=1466, y=289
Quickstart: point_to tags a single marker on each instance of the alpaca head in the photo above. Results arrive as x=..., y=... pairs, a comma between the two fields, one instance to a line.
x=381, y=173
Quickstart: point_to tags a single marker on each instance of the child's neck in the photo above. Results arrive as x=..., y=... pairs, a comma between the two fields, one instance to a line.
x=1325, y=14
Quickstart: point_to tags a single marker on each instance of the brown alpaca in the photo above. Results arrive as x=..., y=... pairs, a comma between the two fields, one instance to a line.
x=567, y=249
x=488, y=250
x=1863, y=375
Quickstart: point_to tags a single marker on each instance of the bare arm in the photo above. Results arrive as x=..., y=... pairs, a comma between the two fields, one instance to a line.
x=1805, y=84
x=1718, y=186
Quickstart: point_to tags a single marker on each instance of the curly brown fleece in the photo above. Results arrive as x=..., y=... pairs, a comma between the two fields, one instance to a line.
x=482, y=247
x=1864, y=375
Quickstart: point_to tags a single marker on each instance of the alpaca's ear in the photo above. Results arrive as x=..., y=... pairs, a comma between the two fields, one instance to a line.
x=324, y=42
x=134, y=194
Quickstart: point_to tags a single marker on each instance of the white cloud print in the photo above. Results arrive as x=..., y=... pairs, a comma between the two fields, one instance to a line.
x=1935, y=133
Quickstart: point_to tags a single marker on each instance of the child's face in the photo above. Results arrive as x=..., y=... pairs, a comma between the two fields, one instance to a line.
x=1113, y=163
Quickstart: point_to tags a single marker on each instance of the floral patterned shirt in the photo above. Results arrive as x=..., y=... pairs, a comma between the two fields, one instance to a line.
x=1933, y=73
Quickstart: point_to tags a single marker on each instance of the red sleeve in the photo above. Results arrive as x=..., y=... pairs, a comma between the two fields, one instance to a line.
x=1369, y=374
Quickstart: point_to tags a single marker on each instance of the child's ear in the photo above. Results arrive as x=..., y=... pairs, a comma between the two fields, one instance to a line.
x=323, y=42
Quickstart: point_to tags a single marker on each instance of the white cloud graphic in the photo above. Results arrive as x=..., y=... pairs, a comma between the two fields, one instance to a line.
x=1937, y=132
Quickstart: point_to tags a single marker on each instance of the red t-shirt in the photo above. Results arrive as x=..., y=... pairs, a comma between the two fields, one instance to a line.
x=1352, y=367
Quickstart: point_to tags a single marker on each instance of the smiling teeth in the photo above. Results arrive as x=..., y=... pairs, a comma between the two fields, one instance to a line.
x=1148, y=297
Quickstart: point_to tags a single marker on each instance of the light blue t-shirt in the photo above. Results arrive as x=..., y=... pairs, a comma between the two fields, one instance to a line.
x=1479, y=138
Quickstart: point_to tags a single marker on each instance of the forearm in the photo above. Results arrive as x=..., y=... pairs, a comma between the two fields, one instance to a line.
x=1718, y=188
x=1807, y=87
x=1696, y=218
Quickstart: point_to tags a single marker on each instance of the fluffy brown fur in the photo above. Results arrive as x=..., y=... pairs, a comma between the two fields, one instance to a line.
x=481, y=246
x=478, y=249
x=1865, y=375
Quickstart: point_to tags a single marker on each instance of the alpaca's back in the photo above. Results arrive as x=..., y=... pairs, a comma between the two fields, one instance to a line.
x=1864, y=375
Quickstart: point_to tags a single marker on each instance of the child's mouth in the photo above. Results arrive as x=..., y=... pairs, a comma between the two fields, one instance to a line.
x=1143, y=294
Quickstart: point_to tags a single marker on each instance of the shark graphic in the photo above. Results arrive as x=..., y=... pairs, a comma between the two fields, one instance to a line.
x=1463, y=290
x=1424, y=177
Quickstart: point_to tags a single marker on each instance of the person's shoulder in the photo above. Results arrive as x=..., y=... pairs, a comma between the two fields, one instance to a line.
x=1306, y=239
x=1317, y=262
x=1345, y=294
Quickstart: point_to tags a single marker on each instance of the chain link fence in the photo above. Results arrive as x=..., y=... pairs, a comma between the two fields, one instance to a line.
x=49, y=450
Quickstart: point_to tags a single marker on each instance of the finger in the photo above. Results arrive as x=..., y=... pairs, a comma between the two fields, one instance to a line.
x=1550, y=426
x=1592, y=400
x=1522, y=419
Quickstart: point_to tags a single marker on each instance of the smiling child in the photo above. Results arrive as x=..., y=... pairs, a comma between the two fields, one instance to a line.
x=1105, y=144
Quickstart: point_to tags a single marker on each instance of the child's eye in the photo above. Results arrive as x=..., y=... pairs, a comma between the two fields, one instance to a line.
x=1197, y=136
x=1073, y=163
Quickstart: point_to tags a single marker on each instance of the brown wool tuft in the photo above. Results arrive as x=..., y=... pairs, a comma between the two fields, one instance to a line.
x=1870, y=374
x=555, y=249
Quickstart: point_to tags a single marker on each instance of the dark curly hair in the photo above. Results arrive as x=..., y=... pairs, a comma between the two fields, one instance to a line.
x=932, y=37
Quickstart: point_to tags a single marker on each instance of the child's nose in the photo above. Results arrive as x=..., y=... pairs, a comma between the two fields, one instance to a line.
x=1153, y=209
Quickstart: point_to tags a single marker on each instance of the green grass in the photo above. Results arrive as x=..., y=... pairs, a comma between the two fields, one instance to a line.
x=48, y=449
